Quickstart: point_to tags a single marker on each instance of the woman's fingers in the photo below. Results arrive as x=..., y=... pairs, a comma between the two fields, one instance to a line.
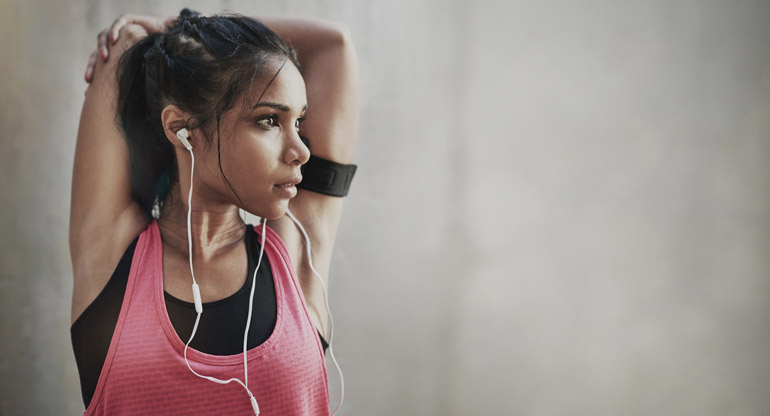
x=107, y=37
x=90, y=67
x=101, y=44
x=117, y=24
x=149, y=23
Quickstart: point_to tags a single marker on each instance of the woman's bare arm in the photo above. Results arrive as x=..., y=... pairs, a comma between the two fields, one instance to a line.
x=330, y=69
x=103, y=216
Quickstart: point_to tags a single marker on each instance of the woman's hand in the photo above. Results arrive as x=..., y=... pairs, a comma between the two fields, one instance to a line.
x=109, y=36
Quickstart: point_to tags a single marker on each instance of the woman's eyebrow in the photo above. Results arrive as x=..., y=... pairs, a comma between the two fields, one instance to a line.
x=280, y=107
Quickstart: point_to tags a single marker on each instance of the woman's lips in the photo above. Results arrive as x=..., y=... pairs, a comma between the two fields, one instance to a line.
x=287, y=189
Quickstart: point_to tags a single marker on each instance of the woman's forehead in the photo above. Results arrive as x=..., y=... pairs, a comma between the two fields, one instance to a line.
x=281, y=85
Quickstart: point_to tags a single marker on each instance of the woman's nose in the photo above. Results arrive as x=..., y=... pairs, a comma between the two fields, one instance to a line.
x=296, y=152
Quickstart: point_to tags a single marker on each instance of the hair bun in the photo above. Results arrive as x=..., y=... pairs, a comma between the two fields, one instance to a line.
x=187, y=14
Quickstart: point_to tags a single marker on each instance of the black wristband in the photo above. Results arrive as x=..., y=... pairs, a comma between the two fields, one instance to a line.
x=326, y=177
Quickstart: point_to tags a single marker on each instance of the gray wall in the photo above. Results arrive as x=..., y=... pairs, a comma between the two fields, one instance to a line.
x=561, y=207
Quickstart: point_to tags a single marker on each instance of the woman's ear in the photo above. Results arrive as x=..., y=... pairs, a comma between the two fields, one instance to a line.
x=174, y=119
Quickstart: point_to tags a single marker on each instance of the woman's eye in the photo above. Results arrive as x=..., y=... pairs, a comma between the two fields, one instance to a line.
x=268, y=121
x=298, y=123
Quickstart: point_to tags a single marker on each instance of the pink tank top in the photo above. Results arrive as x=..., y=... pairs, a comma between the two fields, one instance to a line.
x=145, y=371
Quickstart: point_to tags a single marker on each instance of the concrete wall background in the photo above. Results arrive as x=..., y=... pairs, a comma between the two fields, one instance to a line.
x=561, y=207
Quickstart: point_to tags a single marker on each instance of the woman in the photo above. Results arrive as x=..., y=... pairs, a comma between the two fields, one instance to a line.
x=187, y=120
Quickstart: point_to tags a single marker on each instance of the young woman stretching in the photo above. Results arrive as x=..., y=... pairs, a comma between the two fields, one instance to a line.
x=178, y=306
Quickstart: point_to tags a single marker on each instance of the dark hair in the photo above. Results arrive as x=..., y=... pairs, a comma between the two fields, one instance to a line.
x=202, y=65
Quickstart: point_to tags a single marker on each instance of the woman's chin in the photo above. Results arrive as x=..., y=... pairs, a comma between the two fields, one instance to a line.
x=277, y=211
x=271, y=210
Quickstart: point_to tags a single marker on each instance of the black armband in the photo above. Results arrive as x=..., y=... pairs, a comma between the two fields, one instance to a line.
x=326, y=177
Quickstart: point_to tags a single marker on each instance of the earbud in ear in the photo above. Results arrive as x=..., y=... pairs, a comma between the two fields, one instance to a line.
x=182, y=135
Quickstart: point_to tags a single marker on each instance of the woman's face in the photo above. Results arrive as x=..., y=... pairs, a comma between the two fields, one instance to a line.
x=260, y=148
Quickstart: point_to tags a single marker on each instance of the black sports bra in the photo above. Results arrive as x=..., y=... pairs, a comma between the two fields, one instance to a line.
x=217, y=334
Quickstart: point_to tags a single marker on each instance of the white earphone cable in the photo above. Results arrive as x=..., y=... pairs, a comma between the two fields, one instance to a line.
x=328, y=310
x=199, y=303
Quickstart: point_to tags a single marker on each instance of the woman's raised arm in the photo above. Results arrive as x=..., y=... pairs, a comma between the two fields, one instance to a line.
x=103, y=216
x=330, y=70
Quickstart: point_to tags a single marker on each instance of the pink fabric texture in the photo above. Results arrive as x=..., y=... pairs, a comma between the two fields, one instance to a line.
x=145, y=371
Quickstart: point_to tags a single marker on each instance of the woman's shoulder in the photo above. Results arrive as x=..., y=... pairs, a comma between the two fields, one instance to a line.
x=95, y=253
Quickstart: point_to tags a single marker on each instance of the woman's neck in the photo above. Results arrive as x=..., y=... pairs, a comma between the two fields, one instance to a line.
x=216, y=229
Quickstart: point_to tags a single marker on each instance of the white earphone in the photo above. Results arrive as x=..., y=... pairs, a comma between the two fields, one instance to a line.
x=183, y=135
